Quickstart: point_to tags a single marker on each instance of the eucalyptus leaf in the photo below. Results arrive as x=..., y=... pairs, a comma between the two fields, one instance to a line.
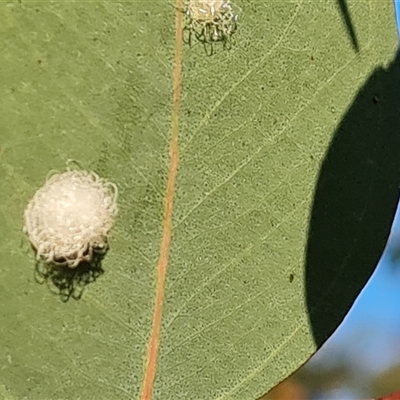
x=91, y=83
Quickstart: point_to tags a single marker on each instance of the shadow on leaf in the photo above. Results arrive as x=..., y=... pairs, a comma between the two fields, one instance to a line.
x=351, y=31
x=354, y=202
x=69, y=282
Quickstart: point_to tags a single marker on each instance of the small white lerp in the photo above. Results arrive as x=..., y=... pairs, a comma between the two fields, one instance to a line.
x=211, y=20
x=70, y=217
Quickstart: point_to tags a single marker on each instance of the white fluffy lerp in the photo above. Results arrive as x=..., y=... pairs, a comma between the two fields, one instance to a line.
x=70, y=217
x=211, y=20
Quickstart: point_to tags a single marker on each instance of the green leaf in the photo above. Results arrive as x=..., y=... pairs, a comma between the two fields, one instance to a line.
x=92, y=82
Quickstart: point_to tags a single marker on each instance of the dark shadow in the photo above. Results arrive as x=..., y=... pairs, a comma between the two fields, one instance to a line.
x=344, y=11
x=208, y=44
x=69, y=282
x=354, y=202
x=209, y=47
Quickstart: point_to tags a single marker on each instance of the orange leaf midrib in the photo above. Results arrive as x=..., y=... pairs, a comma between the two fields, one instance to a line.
x=161, y=269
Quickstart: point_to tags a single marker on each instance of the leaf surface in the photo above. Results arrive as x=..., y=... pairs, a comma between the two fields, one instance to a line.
x=92, y=82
